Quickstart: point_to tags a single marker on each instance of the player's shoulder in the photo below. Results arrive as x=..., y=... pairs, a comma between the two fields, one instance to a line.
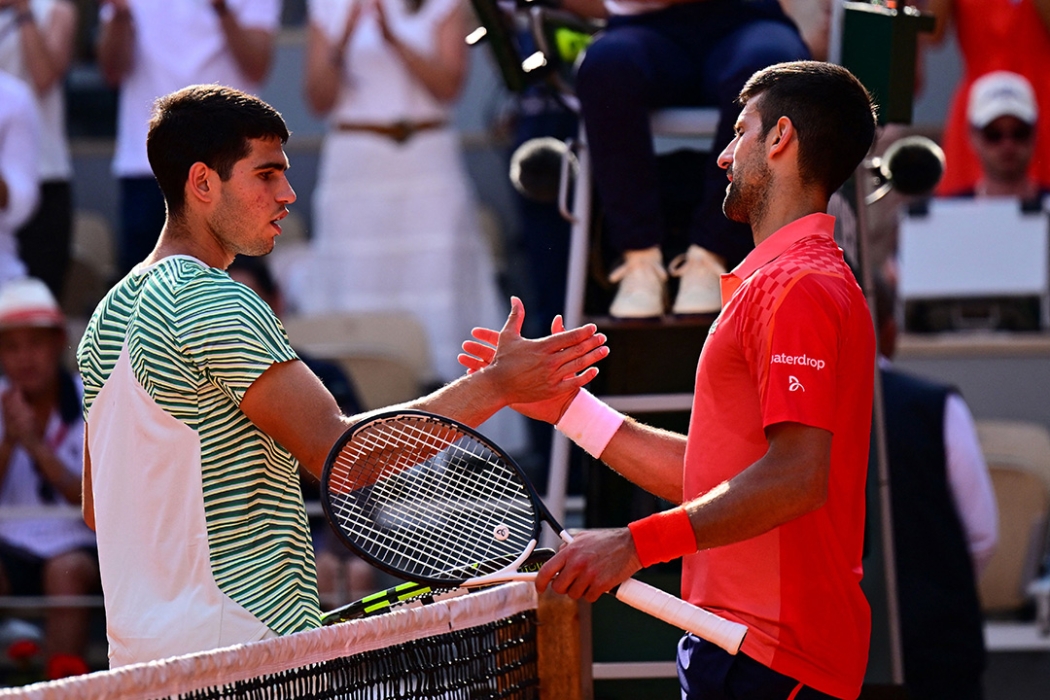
x=817, y=263
x=191, y=287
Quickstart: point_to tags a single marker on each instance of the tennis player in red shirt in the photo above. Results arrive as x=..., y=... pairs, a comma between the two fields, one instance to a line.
x=772, y=474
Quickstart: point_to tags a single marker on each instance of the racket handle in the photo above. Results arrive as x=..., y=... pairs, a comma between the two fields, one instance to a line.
x=675, y=611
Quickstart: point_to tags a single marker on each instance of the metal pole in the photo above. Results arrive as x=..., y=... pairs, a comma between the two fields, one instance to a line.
x=863, y=178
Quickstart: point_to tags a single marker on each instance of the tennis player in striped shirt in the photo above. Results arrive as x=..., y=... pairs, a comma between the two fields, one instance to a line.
x=199, y=412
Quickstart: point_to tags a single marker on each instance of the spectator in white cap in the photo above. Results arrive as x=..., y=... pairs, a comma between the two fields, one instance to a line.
x=1002, y=113
x=41, y=457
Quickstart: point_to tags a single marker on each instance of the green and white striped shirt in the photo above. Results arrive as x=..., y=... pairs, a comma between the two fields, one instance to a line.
x=202, y=534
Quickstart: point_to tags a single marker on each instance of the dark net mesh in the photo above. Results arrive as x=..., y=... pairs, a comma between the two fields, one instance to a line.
x=491, y=661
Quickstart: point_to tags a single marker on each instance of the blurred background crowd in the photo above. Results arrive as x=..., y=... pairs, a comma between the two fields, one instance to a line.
x=407, y=231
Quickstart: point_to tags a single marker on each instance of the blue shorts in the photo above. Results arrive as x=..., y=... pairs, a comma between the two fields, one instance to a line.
x=707, y=672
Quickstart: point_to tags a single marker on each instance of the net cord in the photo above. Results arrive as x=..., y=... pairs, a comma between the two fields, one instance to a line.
x=192, y=672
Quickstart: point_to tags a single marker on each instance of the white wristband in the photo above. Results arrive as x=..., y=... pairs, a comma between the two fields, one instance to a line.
x=590, y=423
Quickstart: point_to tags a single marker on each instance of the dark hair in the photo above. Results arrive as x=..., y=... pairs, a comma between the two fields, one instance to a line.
x=831, y=110
x=210, y=124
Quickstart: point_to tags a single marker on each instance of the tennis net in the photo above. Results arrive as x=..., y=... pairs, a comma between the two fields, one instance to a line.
x=481, y=645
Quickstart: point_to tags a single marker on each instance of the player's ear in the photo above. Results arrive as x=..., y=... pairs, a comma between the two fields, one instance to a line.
x=200, y=183
x=781, y=136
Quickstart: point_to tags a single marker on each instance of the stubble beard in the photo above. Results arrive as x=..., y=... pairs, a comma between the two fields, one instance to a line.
x=747, y=199
x=228, y=227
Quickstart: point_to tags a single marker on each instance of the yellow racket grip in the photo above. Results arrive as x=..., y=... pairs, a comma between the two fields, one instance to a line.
x=675, y=611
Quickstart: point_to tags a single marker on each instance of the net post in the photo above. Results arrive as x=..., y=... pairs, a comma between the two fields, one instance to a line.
x=564, y=648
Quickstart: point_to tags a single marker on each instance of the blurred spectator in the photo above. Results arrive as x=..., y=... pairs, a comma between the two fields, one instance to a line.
x=655, y=54
x=1010, y=35
x=395, y=220
x=19, y=152
x=341, y=576
x=148, y=49
x=396, y=225
x=41, y=455
x=945, y=523
x=36, y=45
x=1003, y=116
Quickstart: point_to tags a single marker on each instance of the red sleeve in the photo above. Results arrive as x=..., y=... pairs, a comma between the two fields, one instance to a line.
x=802, y=359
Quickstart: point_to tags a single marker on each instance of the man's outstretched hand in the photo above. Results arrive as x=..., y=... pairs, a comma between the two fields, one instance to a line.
x=567, y=359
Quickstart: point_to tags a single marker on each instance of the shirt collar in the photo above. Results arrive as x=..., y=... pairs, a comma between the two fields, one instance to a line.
x=771, y=248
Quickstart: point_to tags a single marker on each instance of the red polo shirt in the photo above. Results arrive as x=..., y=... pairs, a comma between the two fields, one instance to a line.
x=794, y=342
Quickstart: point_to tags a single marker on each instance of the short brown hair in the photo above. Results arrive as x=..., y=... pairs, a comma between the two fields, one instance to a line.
x=210, y=124
x=832, y=112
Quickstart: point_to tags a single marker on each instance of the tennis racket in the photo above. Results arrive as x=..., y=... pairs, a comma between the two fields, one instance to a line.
x=430, y=500
x=411, y=594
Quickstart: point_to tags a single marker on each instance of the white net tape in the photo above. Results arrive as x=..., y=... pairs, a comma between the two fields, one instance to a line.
x=184, y=674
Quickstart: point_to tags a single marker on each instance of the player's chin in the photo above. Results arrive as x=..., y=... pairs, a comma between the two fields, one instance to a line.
x=264, y=246
x=734, y=212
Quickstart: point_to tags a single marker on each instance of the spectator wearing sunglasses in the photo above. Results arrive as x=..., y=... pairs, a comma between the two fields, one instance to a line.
x=1002, y=113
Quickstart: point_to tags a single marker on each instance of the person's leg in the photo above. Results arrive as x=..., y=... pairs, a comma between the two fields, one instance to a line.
x=625, y=73
x=630, y=69
x=716, y=243
x=44, y=241
x=72, y=573
x=142, y=217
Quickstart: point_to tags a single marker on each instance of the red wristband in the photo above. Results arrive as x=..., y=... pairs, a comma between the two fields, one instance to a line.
x=663, y=537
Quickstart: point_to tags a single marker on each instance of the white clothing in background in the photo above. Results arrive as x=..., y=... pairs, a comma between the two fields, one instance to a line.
x=177, y=43
x=19, y=153
x=395, y=224
x=970, y=482
x=44, y=536
x=54, y=163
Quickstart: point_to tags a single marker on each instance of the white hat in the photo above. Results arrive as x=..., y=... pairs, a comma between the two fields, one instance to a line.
x=27, y=302
x=1001, y=94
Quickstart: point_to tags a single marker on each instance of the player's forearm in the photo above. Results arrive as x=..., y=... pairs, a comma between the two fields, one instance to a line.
x=789, y=481
x=116, y=47
x=649, y=457
x=471, y=399
x=252, y=49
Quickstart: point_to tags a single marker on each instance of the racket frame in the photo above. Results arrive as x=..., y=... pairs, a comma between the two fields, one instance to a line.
x=504, y=574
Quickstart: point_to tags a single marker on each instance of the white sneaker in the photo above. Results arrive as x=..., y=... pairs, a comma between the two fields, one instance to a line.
x=700, y=288
x=642, y=278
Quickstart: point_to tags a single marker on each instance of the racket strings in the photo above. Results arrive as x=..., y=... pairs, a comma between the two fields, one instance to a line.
x=429, y=502
x=442, y=464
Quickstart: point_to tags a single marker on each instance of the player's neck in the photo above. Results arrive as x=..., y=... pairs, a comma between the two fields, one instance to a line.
x=186, y=237
x=785, y=208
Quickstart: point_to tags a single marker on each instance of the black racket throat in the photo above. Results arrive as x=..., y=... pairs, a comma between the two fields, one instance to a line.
x=429, y=499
